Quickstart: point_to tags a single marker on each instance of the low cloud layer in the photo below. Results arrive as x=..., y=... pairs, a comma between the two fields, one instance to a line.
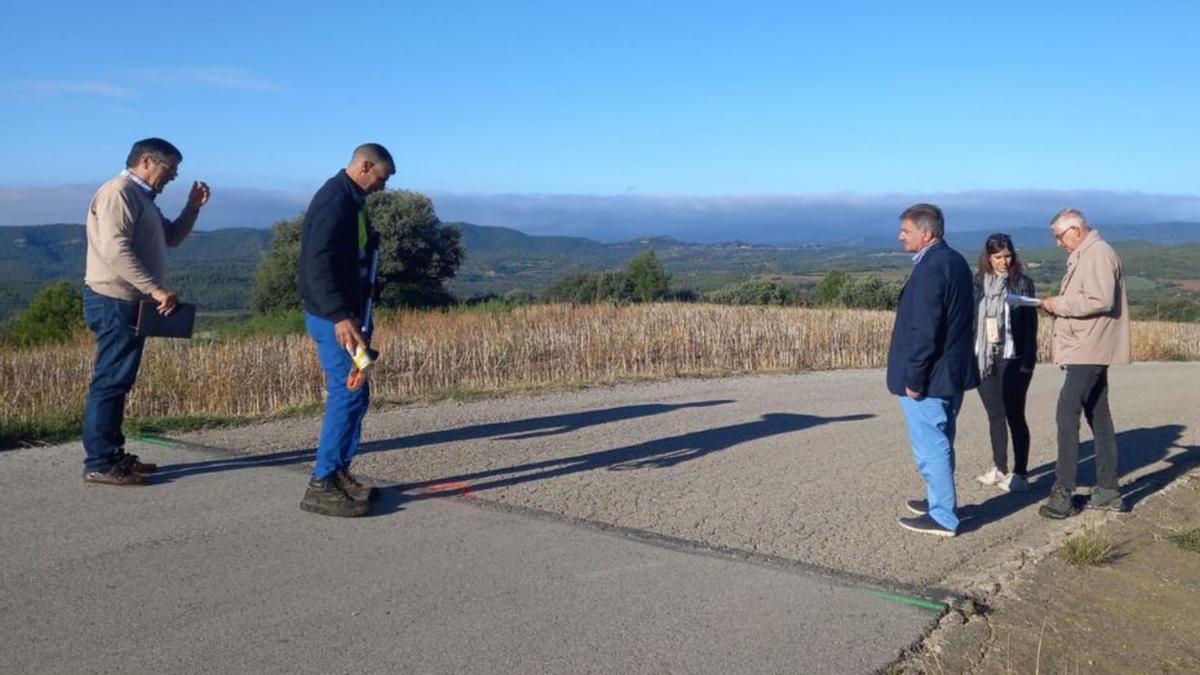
x=751, y=218
x=795, y=218
x=230, y=207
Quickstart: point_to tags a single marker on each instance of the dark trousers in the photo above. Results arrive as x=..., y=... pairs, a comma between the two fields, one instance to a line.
x=1003, y=395
x=1085, y=389
x=118, y=356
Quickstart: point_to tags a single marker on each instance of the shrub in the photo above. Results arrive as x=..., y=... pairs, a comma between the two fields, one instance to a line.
x=54, y=316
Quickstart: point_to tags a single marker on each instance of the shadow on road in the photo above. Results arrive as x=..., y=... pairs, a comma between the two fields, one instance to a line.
x=532, y=427
x=656, y=454
x=1136, y=448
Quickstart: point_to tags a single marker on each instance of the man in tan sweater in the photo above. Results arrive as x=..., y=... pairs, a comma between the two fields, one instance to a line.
x=127, y=236
x=1091, y=332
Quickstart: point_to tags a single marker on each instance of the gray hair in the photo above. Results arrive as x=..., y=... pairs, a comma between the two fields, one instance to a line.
x=157, y=148
x=925, y=217
x=374, y=153
x=1070, y=218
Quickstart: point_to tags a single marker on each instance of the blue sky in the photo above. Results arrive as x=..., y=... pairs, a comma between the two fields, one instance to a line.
x=666, y=98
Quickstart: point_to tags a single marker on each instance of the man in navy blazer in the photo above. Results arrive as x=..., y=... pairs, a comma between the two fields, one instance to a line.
x=931, y=362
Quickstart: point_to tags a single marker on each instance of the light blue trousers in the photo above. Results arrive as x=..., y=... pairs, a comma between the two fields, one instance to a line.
x=931, y=428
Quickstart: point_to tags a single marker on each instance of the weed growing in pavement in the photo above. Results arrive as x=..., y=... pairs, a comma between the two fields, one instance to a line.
x=1188, y=540
x=1089, y=548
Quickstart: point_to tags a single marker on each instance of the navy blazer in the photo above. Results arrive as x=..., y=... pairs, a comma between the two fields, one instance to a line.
x=933, y=339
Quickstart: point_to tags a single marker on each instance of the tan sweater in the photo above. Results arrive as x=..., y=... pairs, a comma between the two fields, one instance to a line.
x=1091, y=312
x=127, y=237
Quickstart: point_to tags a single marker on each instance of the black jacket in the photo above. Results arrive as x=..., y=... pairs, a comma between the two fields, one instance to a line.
x=933, y=339
x=331, y=283
x=1024, y=320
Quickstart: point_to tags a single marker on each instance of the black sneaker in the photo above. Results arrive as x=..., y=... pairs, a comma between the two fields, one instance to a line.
x=351, y=486
x=1058, y=506
x=117, y=474
x=326, y=498
x=136, y=466
x=926, y=525
x=917, y=506
x=1105, y=499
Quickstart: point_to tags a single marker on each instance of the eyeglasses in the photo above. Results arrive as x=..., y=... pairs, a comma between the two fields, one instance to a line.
x=1059, y=235
x=172, y=168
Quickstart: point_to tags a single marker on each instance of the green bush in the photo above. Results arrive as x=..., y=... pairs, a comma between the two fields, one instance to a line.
x=754, y=292
x=869, y=293
x=55, y=315
x=644, y=279
x=829, y=290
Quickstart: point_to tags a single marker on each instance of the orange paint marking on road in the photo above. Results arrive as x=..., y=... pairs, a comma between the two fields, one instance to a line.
x=441, y=491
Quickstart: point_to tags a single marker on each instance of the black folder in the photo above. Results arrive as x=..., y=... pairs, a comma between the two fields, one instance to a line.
x=178, y=324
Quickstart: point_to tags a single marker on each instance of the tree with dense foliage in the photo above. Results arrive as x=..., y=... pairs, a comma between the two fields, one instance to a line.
x=54, y=316
x=275, y=281
x=417, y=255
x=829, y=289
x=649, y=278
x=869, y=293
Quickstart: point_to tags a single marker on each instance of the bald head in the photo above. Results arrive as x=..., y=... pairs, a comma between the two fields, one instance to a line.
x=371, y=166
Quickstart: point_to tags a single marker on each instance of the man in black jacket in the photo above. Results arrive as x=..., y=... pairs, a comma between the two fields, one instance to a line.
x=335, y=253
x=931, y=362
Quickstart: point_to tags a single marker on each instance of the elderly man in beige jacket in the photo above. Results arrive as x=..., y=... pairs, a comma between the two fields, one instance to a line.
x=1091, y=332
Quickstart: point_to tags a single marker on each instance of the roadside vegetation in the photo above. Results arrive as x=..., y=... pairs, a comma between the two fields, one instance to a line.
x=1089, y=549
x=587, y=327
x=444, y=353
x=1188, y=540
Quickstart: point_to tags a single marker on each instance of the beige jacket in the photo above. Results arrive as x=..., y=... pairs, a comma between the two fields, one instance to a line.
x=127, y=238
x=1091, y=312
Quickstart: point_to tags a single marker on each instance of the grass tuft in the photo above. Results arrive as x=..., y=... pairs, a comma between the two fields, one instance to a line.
x=1188, y=540
x=1089, y=549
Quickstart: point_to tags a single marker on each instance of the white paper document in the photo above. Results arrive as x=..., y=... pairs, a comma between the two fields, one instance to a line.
x=1017, y=300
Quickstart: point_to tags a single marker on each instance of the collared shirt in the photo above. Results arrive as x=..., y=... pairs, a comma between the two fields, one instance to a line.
x=921, y=254
x=139, y=182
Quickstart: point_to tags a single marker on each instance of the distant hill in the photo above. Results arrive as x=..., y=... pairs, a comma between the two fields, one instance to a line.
x=216, y=267
x=1037, y=237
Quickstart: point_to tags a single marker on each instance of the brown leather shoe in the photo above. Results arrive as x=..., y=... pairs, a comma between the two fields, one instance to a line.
x=118, y=474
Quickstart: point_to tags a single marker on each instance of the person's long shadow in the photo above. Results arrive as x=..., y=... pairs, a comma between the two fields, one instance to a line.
x=1136, y=448
x=532, y=427
x=656, y=454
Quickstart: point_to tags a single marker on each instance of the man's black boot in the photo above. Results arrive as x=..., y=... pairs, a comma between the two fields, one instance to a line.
x=323, y=496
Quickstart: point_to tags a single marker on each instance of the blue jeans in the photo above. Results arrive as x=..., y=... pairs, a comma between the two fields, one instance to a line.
x=118, y=356
x=931, y=427
x=341, y=427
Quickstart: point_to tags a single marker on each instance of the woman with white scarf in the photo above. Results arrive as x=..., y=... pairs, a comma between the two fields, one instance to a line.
x=1006, y=346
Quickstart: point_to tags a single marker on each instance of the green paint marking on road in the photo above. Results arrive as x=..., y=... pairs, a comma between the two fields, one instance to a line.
x=900, y=597
x=156, y=440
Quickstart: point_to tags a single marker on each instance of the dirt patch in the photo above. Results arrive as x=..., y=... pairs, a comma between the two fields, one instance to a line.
x=1192, y=285
x=1139, y=613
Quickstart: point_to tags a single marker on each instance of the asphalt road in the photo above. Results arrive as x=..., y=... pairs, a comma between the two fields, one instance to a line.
x=727, y=525
x=218, y=571
x=812, y=468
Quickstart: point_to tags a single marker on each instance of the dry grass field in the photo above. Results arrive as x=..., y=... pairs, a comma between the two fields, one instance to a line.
x=437, y=354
